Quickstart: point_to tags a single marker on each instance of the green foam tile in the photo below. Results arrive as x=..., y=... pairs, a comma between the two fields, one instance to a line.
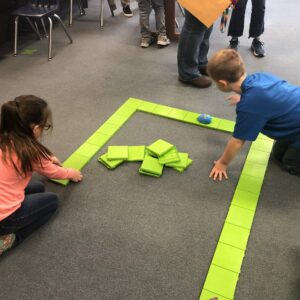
x=110, y=164
x=98, y=139
x=182, y=163
x=151, y=166
x=255, y=170
x=117, y=120
x=177, y=114
x=221, y=281
x=240, y=216
x=264, y=137
x=159, y=147
x=191, y=118
x=250, y=184
x=235, y=236
x=125, y=111
x=63, y=182
x=162, y=110
x=117, y=152
x=169, y=157
x=262, y=145
x=88, y=150
x=146, y=106
x=226, y=125
x=228, y=257
x=133, y=102
x=245, y=199
x=181, y=170
x=208, y=295
x=108, y=129
x=257, y=156
x=76, y=161
x=136, y=153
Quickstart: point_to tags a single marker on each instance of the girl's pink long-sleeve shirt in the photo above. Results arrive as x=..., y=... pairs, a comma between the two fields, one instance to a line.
x=12, y=185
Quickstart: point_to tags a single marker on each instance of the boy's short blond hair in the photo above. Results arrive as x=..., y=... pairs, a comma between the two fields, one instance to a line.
x=226, y=64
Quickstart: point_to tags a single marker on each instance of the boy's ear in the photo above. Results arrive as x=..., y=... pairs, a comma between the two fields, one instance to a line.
x=223, y=83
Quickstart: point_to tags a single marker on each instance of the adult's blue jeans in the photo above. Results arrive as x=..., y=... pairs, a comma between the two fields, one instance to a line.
x=36, y=209
x=193, y=47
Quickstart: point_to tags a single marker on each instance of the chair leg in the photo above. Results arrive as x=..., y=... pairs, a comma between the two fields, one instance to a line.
x=44, y=28
x=111, y=9
x=64, y=27
x=71, y=13
x=16, y=35
x=50, y=39
x=181, y=9
x=101, y=13
x=34, y=28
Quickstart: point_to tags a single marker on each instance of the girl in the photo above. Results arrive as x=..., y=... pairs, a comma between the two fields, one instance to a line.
x=25, y=206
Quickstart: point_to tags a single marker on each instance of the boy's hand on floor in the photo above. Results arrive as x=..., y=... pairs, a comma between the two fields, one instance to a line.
x=77, y=176
x=218, y=171
x=234, y=99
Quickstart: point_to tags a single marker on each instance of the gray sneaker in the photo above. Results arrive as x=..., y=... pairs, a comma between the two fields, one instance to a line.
x=145, y=42
x=162, y=40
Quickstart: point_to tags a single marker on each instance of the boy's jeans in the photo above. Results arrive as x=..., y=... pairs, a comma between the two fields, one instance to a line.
x=145, y=7
x=36, y=209
x=288, y=156
x=193, y=47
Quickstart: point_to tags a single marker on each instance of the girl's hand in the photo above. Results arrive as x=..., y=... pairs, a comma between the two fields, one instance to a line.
x=77, y=176
x=56, y=161
x=234, y=99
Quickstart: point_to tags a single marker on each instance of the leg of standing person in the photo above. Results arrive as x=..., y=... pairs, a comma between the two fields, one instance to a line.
x=36, y=209
x=159, y=8
x=144, y=11
x=236, y=24
x=126, y=8
x=192, y=51
x=287, y=154
x=257, y=26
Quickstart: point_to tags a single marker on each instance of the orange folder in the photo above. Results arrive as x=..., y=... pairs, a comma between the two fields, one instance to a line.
x=206, y=11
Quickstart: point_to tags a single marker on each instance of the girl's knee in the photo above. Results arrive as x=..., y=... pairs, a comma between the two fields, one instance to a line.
x=52, y=201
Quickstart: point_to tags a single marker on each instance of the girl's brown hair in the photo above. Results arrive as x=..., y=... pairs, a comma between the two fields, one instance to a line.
x=227, y=65
x=18, y=117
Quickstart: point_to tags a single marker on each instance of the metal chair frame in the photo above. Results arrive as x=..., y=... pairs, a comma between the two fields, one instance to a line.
x=39, y=9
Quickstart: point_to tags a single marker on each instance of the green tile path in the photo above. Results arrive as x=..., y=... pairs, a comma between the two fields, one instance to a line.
x=225, y=268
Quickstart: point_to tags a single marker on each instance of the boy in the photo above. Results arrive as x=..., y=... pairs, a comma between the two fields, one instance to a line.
x=145, y=7
x=266, y=104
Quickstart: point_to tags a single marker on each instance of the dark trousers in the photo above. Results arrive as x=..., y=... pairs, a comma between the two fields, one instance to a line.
x=193, y=47
x=36, y=209
x=236, y=25
x=288, y=156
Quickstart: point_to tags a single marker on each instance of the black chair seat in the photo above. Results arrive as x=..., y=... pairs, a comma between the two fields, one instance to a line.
x=32, y=11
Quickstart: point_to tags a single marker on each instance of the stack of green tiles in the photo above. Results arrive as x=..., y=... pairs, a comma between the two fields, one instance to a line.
x=116, y=155
x=154, y=157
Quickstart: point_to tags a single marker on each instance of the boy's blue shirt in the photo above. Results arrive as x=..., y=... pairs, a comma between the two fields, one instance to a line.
x=269, y=105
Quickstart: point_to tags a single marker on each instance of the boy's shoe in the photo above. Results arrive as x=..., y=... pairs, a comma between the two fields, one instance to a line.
x=127, y=11
x=146, y=42
x=234, y=43
x=6, y=242
x=200, y=82
x=162, y=40
x=257, y=48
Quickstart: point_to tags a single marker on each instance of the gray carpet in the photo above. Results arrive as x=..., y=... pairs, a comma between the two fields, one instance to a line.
x=120, y=235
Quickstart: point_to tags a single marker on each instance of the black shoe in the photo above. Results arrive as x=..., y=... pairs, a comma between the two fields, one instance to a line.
x=234, y=43
x=257, y=48
x=127, y=11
